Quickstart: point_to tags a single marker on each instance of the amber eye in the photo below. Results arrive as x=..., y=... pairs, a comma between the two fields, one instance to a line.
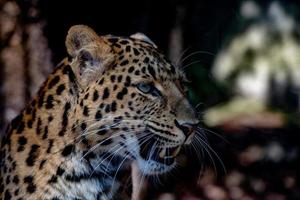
x=148, y=88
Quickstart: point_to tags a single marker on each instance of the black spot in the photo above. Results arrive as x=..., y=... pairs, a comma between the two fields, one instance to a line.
x=130, y=69
x=89, y=155
x=67, y=150
x=53, y=179
x=53, y=82
x=101, y=81
x=7, y=180
x=136, y=52
x=50, y=118
x=28, y=110
x=17, y=193
x=133, y=95
x=33, y=115
x=31, y=188
x=125, y=62
x=120, y=78
x=68, y=70
x=128, y=49
x=41, y=99
x=49, y=103
x=22, y=140
x=60, y=171
x=137, y=72
x=118, y=119
x=50, y=145
x=85, y=111
x=115, y=87
x=98, y=115
x=113, y=40
x=33, y=153
x=29, y=123
x=102, y=130
x=65, y=115
x=107, y=141
x=113, y=78
x=42, y=164
x=107, y=108
x=45, y=135
x=152, y=72
x=71, y=91
x=117, y=45
x=16, y=179
x=86, y=96
x=21, y=127
x=83, y=126
x=20, y=148
x=113, y=106
x=28, y=179
x=38, y=127
x=146, y=60
x=124, y=42
x=95, y=95
x=7, y=195
x=105, y=94
x=60, y=89
x=121, y=94
x=128, y=81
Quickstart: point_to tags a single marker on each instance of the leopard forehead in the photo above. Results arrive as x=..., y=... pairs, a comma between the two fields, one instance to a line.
x=141, y=58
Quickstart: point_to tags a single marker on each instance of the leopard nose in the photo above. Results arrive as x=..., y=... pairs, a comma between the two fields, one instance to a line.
x=186, y=128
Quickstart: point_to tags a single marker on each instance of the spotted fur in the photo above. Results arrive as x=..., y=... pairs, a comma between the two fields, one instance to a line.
x=117, y=100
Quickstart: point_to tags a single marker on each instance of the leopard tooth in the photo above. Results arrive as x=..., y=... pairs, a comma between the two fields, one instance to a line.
x=162, y=153
x=176, y=151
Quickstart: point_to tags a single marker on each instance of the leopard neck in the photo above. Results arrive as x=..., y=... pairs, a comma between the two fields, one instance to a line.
x=53, y=109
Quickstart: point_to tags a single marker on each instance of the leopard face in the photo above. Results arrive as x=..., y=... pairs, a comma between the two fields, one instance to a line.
x=133, y=101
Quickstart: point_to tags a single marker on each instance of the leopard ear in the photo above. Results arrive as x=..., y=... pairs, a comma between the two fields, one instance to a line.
x=143, y=37
x=91, y=55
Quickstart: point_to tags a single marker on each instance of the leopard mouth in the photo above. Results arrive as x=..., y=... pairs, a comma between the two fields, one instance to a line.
x=157, y=158
x=166, y=155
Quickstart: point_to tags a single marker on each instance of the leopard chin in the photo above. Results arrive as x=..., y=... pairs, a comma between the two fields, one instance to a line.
x=152, y=167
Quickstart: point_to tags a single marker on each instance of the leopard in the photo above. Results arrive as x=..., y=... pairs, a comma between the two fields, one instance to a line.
x=111, y=102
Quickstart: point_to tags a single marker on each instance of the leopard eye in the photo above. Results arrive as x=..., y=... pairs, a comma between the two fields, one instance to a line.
x=148, y=88
x=144, y=87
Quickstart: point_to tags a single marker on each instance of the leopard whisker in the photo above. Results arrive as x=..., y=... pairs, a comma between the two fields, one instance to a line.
x=208, y=153
x=147, y=163
x=200, y=129
x=213, y=151
x=178, y=61
x=195, y=53
x=192, y=63
x=110, y=154
x=99, y=144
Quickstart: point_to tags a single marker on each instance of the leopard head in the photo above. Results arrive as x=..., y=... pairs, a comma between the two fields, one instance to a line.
x=132, y=100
